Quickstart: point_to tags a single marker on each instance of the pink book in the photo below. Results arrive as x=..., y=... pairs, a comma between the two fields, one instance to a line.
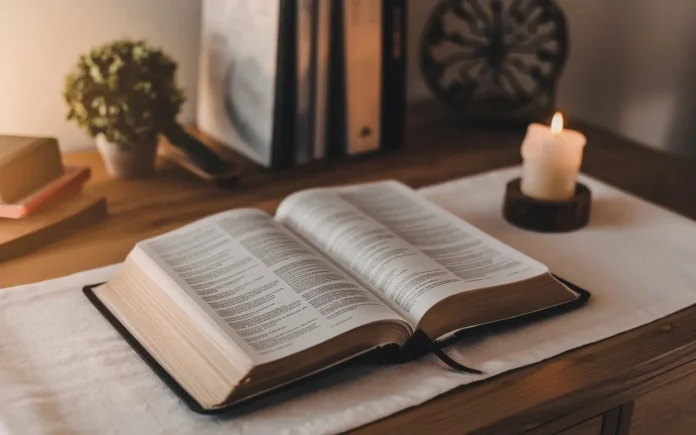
x=66, y=186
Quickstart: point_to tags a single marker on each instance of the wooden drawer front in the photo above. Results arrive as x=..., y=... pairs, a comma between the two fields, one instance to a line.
x=590, y=427
x=668, y=410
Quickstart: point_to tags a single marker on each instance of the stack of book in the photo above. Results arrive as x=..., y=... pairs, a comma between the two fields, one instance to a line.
x=286, y=82
x=33, y=178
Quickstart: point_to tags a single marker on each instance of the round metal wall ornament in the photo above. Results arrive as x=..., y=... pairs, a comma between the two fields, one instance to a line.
x=495, y=60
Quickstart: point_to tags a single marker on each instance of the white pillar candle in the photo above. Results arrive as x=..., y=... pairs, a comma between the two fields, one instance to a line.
x=552, y=158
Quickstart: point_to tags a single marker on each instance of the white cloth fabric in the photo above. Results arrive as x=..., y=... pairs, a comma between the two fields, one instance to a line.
x=64, y=369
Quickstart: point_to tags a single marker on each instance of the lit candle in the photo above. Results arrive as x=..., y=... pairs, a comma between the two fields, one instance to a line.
x=552, y=158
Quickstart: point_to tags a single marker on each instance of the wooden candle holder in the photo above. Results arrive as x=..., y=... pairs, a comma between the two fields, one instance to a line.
x=546, y=216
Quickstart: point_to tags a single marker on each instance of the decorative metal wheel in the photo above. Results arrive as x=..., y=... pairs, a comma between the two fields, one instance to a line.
x=495, y=58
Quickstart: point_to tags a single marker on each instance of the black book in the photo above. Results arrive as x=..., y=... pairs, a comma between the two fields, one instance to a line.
x=241, y=303
x=368, y=76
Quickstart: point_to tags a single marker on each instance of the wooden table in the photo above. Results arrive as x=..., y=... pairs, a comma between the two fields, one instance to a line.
x=653, y=367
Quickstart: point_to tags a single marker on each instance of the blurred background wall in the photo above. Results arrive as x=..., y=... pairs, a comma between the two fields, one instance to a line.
x=631, y=69
x=40, y=40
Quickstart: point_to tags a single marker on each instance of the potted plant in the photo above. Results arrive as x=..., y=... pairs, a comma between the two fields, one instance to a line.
x=124, y=94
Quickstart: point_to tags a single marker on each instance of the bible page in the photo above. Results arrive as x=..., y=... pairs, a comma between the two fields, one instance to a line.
x=260, y=284
x=410, y=252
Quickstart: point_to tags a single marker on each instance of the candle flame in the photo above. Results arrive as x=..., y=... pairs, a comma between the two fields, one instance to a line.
x=557, y=123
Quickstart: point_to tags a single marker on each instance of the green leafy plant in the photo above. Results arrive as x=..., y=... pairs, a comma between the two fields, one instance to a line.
x=124, y=90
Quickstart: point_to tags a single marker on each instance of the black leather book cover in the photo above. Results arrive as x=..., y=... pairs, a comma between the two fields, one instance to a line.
x=387, y=354
x=394, y=36
x=283, y=144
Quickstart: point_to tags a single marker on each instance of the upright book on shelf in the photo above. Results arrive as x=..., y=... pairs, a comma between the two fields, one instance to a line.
x=241, y=303
x=247, y=88
x=394, y=36
x=306, y=80
x=368, y=76
x=321, y=91
x=362, y=51
x=285, y=82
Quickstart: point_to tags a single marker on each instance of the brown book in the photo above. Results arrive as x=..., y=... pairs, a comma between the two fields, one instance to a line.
x=21, y=236
x=26, y=165
x=58, y=190
x=241, y=302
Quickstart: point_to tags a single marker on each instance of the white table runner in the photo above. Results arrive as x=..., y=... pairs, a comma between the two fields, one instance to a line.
x=64, y=369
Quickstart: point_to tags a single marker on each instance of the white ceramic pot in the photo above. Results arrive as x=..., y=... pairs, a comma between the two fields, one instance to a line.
x=137, y=161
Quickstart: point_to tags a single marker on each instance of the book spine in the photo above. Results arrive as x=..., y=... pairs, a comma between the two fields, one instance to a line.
x=362, y=28
x=394, y=73
x=305, y=80
x=336, y=144
x=322, y=67
x=63, y=188
x=29, y=168
x=283, y=142
x=245, y=73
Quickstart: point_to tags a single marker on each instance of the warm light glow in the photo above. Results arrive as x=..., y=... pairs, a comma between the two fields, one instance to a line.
x=557, y=123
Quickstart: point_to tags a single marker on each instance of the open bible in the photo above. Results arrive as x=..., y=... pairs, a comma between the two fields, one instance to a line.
x=241, y=302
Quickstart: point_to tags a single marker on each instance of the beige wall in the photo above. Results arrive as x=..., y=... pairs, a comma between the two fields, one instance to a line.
x=41, y=39
x=630, y=68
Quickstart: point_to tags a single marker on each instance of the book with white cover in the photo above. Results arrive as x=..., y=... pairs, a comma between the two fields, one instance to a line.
x=241, y=73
